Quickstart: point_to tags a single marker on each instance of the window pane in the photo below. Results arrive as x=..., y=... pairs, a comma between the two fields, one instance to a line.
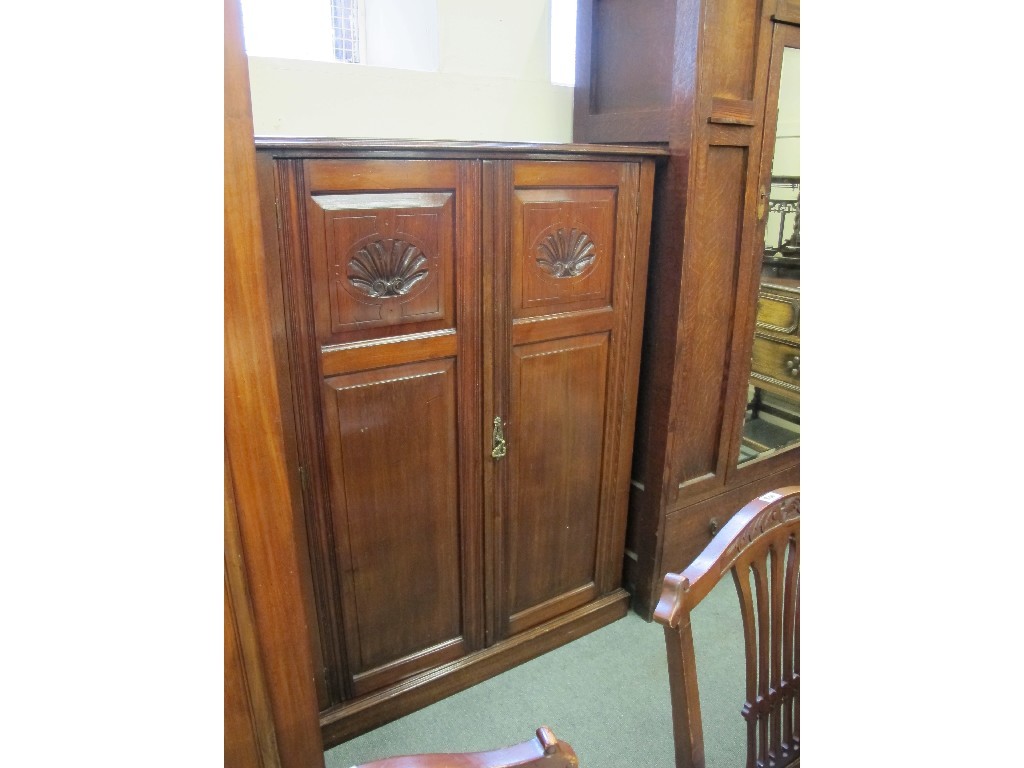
x=345, y=20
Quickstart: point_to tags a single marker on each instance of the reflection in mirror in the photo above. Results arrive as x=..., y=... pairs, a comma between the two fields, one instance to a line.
x=772, y=419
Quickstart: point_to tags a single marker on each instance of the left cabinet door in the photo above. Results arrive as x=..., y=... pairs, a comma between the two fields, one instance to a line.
x=392, y=298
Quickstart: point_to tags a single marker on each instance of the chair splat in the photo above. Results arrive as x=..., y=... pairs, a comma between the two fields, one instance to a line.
x=760, y=547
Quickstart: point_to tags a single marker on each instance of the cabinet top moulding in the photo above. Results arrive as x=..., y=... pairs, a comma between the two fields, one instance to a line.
x=294, y=146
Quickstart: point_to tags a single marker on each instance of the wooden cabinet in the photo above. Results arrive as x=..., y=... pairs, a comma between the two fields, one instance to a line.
x=459, y=334
x=701, y=78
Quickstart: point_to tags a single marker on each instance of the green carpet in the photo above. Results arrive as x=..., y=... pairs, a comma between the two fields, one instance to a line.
x=606, y=694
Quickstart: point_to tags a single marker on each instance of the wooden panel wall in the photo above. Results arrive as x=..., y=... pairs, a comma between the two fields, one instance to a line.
x=704, y=257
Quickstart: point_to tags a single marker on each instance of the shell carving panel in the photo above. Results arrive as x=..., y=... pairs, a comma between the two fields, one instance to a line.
x=566, y=255
x=387, y=268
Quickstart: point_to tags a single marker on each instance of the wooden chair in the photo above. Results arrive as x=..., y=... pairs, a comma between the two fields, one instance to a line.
x=761, y=546
x=542, y=751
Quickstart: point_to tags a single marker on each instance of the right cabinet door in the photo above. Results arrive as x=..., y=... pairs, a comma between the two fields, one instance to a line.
x=565, y=288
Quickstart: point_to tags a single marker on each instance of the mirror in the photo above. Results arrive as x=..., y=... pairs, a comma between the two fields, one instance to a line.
x=772, y=419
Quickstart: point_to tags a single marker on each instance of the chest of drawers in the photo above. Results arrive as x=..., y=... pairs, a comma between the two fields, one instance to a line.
x=775, y=362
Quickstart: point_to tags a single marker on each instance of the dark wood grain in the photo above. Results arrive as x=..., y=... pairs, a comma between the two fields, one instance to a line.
x=425, y=293
x=570, y=335
x=393, y=457
x=705, y=255
x=366, y=213
x=312, y=147
x=399, y=403
x=299, y=361
x=633, y=75
x=268, y=536
x=624, y=70
x=556, y=427
x=543, y=751
x=496, y=199
x=760, y=547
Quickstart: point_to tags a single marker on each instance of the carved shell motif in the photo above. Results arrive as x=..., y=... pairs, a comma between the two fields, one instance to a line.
x=387, y=268
x=566, y=255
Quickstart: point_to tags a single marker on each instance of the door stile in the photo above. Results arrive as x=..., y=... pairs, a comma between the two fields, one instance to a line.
x=619, y=412
x=497, y=345
x=468, y=275
x=304, y=359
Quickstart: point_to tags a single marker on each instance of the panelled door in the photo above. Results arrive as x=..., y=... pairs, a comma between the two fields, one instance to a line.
x=561, y=272
x=469, y=324
x=394, y=282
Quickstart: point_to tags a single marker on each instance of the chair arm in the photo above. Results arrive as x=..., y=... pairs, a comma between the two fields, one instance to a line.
x=542, y=751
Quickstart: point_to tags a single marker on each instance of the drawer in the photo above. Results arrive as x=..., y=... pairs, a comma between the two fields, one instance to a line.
x=775, y=365
x=778, y=311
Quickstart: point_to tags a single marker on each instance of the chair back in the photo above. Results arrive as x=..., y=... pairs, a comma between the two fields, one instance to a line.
x=760, y=545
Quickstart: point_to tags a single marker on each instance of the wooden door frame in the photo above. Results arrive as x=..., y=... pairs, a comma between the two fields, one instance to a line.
x=265, y=546
x=783, y=35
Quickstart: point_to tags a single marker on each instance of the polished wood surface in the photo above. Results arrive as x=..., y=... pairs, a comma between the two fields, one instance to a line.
x=705, y=260
x=393, y=262
x=270, y=708
x=402, y=417
x=571, y=268
x=542, y=751
x=433, y=308
x=303, y=146
x=760, y=547
x=249, y=734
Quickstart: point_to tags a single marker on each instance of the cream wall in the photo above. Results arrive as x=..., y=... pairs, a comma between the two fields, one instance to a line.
x=787, y=132
x=493, y=84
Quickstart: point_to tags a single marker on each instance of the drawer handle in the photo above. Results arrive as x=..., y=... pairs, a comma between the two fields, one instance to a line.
x=793, y=366
x=498, y=445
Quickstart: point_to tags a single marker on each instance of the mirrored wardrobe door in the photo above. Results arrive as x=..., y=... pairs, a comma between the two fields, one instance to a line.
x=771, y=421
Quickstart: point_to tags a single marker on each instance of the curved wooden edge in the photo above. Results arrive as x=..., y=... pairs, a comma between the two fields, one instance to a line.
x=682, y=591
x=542, y=750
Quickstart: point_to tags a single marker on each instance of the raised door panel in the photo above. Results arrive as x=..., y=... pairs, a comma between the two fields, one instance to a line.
x=387, y=267
x=558, y=232
x=569, y=266
x=710, y=274
x=558, y=392
x=383, y=246
x=393, y=462
x=394, y=299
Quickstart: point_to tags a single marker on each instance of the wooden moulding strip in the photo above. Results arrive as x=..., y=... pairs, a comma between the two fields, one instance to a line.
x=732, y=111
x=398, y=350
x=351, y=719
